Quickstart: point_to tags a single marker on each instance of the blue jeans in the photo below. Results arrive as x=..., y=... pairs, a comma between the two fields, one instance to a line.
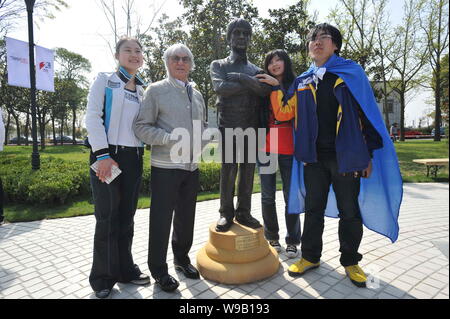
x=269, y=211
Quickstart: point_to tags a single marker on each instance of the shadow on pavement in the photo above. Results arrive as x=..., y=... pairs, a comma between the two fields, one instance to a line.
x=8, y=231
x=7, y=278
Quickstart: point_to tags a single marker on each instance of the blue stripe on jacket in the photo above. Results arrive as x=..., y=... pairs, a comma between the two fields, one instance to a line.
x=108, y=106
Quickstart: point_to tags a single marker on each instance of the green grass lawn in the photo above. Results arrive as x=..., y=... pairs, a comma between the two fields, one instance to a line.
x=78, y=153
x=66, y=152
x=407, y=151
x=418, y=149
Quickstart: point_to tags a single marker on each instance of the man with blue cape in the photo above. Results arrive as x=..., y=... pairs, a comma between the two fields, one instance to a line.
x=346, y=165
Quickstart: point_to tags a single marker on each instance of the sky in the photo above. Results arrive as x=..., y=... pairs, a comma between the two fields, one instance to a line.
x=83, y=28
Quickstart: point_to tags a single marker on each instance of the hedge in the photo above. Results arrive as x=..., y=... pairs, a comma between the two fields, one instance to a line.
x=59, y=181
x=56, y=182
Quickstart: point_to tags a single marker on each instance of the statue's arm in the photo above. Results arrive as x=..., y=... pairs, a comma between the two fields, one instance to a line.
x=220, y=84
x=253, y=84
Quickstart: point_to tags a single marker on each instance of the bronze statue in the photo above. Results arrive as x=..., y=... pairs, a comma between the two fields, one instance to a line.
x=238, y=97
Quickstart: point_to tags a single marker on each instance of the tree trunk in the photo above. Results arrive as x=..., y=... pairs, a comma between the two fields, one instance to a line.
x=17, y=129
x=386, y=111
x=74, y=118
x=55, y=142
x=41, y=126
x=437, y=98
x=26, y=130
x=386, y=115
x=402, y=116
x=8, y=124
x=61, y=133
x=42, y=133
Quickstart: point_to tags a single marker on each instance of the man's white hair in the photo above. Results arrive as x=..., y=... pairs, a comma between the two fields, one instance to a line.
x=177, y=49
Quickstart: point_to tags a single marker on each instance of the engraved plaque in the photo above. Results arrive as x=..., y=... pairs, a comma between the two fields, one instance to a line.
x=246, y=242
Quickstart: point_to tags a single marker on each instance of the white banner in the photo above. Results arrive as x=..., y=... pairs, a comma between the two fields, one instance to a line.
x=44, y=69
x=17, y=61
x=18, y=65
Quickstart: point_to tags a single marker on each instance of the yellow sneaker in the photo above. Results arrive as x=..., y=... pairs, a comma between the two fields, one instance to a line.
x=300, y=267
x=356, y=275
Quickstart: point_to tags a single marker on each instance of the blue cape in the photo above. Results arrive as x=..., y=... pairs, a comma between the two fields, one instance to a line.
x=381, y=194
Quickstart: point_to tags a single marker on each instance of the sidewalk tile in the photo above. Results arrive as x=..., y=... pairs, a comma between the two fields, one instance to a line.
x=413, y=267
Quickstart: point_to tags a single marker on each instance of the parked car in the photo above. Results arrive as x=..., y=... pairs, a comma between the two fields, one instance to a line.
x=66, y=139
x=442, y=131
x=412, y=133
x=23, y=140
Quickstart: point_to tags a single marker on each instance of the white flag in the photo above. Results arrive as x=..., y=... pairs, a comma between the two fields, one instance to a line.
x=19, y=69
x=45, y=69
x=18, y=64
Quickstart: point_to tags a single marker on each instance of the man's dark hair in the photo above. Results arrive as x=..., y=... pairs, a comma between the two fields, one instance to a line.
x=238, y=22
x=288, y=74
x=326, y=28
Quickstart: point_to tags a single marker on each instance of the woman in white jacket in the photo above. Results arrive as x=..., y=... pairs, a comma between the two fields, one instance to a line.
x=113, y=104
x=2, y=140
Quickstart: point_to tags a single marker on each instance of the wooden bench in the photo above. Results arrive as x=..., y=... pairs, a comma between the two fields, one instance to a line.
x=432, y=164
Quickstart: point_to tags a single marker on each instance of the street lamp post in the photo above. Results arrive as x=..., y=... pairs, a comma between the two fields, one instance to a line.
x=35, y=158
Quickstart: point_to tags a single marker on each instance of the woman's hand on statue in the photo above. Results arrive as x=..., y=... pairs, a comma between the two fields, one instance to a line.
x=265, y=78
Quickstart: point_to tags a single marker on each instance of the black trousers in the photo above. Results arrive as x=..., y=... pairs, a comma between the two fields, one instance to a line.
x=115, y=206
x=268, y=205
x=318, y=177
x=241, y=168
x=1, y=201
x=173, y=190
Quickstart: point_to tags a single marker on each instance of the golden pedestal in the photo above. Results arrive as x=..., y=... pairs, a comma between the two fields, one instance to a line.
x=238, y=256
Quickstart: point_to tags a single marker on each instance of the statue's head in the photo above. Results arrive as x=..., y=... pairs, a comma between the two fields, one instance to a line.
x=239, y=33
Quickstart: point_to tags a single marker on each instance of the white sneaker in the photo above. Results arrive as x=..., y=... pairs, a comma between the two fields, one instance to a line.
x=275, y=244
x=291, y=251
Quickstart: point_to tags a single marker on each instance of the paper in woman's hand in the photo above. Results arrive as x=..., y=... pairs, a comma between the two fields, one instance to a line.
x=115, y=171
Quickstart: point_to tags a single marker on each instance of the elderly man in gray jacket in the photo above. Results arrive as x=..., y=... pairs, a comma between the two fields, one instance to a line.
x=170, y=106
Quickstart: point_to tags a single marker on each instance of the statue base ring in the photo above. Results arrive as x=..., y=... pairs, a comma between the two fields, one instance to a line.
x=239, y=256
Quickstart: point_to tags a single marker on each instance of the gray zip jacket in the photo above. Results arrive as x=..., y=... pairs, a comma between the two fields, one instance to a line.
x=165, y=107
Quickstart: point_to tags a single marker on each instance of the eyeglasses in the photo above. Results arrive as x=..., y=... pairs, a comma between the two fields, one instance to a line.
x=176, y=59
x=321, y=38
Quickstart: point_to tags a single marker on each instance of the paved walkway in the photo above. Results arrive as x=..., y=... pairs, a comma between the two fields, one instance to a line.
x=52, y=258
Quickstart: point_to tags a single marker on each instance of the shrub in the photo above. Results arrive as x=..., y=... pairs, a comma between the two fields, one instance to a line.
x=145, y=185
x=56, y=182
x=209, y=177
x=59, y=181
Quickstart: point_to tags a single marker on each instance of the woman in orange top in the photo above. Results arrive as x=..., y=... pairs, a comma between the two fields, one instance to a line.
x=279, y=73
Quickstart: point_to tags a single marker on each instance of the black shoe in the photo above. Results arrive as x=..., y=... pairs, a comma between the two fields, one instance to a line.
x=141, y=280
x=248, y=220
x=188, y=270
x=224, y=224
x=103, y=294
x=167, y=283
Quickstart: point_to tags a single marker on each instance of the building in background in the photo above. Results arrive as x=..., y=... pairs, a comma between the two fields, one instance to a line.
x=393, y=103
